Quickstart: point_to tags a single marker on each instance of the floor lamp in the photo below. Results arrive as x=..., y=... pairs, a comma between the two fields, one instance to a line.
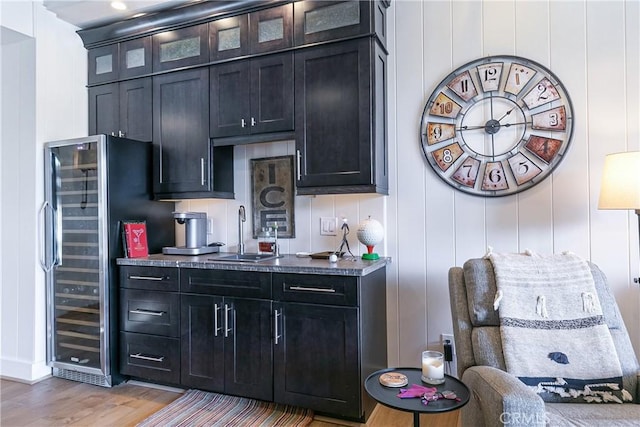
x=620, y=187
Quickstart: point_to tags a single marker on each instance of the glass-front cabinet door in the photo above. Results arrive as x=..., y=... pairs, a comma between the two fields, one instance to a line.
x=135, y=57
x=180, y=48
x=318, y=20
x=76, y=266
x=271, y=29
x=103, y=64
x=228, y=37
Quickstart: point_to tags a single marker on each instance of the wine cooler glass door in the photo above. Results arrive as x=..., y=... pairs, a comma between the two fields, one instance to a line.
x=76, y=291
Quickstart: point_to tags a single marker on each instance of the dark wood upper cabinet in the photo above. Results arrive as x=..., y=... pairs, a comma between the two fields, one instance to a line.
x=311, y=70
x=135, y=57
x=340, y=118
x=180, y=132
x=271, y=29
x=317, y=21
x=252, y=96
x=122, y=109
x=181, y=48
x=103, y=64
x=229, y=37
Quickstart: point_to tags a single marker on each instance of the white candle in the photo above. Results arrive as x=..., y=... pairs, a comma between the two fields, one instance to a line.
x=432, y=367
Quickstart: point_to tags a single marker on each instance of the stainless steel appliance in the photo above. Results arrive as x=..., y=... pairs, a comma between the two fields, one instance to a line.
x=91, y=185
x=195, y=230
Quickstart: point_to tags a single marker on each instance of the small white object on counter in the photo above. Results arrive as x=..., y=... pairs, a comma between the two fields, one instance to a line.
x=333, y=258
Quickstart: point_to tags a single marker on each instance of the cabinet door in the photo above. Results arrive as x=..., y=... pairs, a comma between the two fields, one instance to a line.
x=248, y=352
x=104, y=110
x=333, y=115
x=316, y=358
x=272, y=93
x=202, y=342
x=136, y=109
x=271, y=29
x=103, y=64
x=229, y=37
x=181, y=48
x=230, y=102
x=135, y=57
x=321, y=20
x=181, y=131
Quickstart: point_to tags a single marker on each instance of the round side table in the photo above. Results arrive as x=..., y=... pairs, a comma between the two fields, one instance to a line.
x=388, y=396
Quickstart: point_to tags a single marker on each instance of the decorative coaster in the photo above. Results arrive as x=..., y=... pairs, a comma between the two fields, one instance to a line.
x=393, y=379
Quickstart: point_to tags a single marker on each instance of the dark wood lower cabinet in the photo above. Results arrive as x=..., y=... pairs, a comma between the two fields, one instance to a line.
x=316, y=358
x=226, y=345
x=307, y=340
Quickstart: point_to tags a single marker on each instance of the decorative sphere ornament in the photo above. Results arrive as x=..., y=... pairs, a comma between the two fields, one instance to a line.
x=370, y=233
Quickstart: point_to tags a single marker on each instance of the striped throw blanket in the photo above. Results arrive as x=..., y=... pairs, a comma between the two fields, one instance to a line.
x=553, y=332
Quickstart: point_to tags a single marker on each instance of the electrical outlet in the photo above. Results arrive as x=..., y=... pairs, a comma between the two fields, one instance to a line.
x=443, y=340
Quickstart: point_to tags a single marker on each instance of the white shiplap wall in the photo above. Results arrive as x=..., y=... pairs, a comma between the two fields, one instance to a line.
x=594, y=47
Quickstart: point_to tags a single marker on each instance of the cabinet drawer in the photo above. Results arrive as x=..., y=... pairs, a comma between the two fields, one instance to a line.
x=149, y=278
x=149, y=357
x=248, y=284
x=334, y=290
x=150, y=312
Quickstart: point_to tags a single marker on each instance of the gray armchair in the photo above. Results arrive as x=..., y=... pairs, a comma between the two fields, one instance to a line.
x=498, y=398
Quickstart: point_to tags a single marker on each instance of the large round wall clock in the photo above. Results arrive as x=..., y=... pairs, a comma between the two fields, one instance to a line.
x=497, y=126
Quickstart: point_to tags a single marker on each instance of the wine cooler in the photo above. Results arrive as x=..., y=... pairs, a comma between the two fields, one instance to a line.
x=92, y=184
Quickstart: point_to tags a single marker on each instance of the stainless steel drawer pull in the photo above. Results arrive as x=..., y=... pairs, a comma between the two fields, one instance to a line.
x=149, y=312
x=143, y=357
x=304, y=288
x=156, y=279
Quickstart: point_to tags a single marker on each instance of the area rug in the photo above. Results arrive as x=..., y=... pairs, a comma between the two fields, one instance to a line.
x=197, y=408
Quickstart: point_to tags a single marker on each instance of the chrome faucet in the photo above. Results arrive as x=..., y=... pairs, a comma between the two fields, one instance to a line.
x=242, y=217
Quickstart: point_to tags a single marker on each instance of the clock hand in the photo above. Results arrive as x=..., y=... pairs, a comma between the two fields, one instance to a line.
x=506, y=114
x=461, y=128
x=515, y=124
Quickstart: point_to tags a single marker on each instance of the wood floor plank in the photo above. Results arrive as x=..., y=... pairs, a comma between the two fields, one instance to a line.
x=60, y=402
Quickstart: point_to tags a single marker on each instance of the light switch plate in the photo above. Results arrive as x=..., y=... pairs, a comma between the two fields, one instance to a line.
x=328, y=226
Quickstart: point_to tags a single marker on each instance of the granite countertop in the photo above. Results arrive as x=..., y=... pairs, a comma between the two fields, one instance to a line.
x=285, y=264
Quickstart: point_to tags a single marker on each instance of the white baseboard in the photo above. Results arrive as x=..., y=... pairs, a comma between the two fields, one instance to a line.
x=24, y=371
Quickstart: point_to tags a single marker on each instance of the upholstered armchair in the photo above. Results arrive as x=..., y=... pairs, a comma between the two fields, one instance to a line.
x=499, y=398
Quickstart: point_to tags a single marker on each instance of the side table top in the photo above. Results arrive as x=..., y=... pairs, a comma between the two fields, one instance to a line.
x=389, y=395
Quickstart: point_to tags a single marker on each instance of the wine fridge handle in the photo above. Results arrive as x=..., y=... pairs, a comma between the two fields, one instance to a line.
x=42, y=238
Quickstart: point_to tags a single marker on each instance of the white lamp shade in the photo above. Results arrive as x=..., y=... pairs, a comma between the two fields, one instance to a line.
x=620, y=187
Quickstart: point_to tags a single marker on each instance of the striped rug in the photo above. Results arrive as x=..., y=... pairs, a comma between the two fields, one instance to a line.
x=197, y=408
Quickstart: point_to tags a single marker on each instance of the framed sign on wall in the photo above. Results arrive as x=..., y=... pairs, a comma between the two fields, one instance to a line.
x=273, y=195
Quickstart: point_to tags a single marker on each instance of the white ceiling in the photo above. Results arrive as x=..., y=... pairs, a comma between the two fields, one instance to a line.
x=92, y=13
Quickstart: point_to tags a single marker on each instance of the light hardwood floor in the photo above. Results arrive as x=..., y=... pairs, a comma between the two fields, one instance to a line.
x=59, y=402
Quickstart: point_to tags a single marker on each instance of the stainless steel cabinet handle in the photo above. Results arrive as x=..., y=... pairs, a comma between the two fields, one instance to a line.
x=150, y=358
x=216, y=328
x=243, y=123
x=307, y=289
x=121, y=134
x=153, y=278
x=149, y=312
x=253, y=121
x=113, y=134
x=227, y=309
x=299, y=162
x=276, y=334
x=202, y=182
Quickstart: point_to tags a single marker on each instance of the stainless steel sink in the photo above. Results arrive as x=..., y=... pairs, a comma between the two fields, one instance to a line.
x=245, y=258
